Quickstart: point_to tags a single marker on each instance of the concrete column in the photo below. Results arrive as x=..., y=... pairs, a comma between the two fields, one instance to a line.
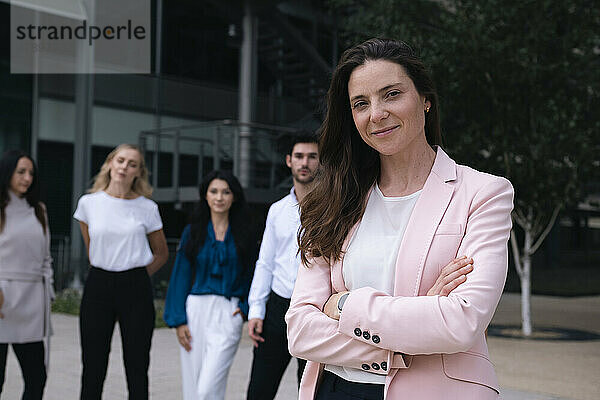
x=157, y=93
x=35, y=102
x=157, y=65
x=35, y=116
x=84, y=101
x=246, y=93
x=81, y=166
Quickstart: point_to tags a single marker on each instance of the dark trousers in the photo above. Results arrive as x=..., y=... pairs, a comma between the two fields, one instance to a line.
x=31, y=361
x=109, y=297
x=333, y=387
x=271, y=357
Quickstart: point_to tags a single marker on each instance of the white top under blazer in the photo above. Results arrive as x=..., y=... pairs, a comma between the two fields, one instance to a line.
x=370, y=260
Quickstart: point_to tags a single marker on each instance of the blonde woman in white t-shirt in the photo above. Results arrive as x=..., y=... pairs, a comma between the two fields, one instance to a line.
x=122, y=230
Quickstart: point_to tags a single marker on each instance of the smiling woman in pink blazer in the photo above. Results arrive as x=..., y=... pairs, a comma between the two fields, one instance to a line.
x=380, y=309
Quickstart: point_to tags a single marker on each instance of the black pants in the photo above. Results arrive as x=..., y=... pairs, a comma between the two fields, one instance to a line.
x=109, y=297
x=335, y=388
x=271, y=357
x=31, y=361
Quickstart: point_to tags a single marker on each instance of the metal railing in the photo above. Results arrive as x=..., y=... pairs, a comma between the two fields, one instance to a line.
x=60, y=250
x=65, y=268
x=178, y=157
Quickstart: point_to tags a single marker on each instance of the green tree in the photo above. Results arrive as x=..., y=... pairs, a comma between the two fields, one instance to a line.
x=519, y=84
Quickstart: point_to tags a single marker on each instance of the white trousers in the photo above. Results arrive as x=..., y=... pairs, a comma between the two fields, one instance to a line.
x=215, y=337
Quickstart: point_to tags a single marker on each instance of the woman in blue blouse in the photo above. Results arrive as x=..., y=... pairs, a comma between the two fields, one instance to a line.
x=207, y=299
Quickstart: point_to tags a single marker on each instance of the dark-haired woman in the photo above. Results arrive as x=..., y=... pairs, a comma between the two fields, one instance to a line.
x=389, y=209
x=207, y=300
x=25, y=272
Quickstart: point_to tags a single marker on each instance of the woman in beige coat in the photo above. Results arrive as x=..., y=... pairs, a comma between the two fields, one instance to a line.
x=25, y=272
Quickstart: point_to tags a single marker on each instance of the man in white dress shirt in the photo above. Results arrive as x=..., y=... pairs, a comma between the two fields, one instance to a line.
x=275, y=275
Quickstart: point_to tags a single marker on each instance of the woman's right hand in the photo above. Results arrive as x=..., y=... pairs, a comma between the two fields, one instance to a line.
x=1, y=303
x=451, y=276
x=184, y=337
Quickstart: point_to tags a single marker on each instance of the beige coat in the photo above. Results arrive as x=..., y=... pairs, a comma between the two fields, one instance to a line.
x=25, y=275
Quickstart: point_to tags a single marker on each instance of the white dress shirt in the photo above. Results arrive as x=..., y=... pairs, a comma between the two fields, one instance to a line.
x=278, y=263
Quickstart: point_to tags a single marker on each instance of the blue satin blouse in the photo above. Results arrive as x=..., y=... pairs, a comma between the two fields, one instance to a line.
x=218, y=271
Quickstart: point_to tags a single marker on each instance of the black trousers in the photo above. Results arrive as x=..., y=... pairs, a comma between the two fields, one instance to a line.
x=335, y=388
x=271, y=357
x=31, y=361
x=109, y=297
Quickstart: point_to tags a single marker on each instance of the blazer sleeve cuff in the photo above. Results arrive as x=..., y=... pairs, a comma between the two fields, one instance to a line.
x=256, y=311
x=350, y=318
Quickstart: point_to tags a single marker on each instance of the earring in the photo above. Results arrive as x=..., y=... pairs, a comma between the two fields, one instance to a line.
x=427, y=109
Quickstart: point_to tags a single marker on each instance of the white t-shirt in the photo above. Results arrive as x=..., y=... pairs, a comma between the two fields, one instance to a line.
x=118, y=229
x=370, y=258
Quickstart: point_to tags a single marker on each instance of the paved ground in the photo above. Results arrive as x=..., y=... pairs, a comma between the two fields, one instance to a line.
x=527, y=369
x=561, y=369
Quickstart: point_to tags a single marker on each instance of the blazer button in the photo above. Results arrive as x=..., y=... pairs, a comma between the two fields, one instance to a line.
x=357, y=332
x=366, y=367
x=384, y=365
x=366, y=335
x=376, y=339
x=375, y=366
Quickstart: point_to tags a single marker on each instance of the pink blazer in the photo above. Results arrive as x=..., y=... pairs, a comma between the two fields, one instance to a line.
x=429, y=347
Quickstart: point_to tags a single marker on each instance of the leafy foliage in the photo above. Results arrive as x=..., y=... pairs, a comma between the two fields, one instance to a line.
x=519, y=85
x=67, y=302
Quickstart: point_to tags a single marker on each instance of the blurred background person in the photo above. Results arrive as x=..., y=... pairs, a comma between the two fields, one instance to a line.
x=207, y=298
x=275, y=274
x=25, y=272
x=122, y=230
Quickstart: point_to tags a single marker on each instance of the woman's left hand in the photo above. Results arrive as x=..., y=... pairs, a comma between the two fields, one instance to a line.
x=184, y=337
x=239, y=311
x=452, y=275
x=331, y=306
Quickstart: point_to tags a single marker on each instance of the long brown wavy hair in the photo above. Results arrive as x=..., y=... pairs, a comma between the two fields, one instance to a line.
x=349, y=167
x=140, y=184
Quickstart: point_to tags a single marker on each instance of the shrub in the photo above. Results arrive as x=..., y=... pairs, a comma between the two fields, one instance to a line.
x=67, y=302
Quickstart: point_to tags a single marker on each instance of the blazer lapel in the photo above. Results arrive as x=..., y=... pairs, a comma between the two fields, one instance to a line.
x=423, y=223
